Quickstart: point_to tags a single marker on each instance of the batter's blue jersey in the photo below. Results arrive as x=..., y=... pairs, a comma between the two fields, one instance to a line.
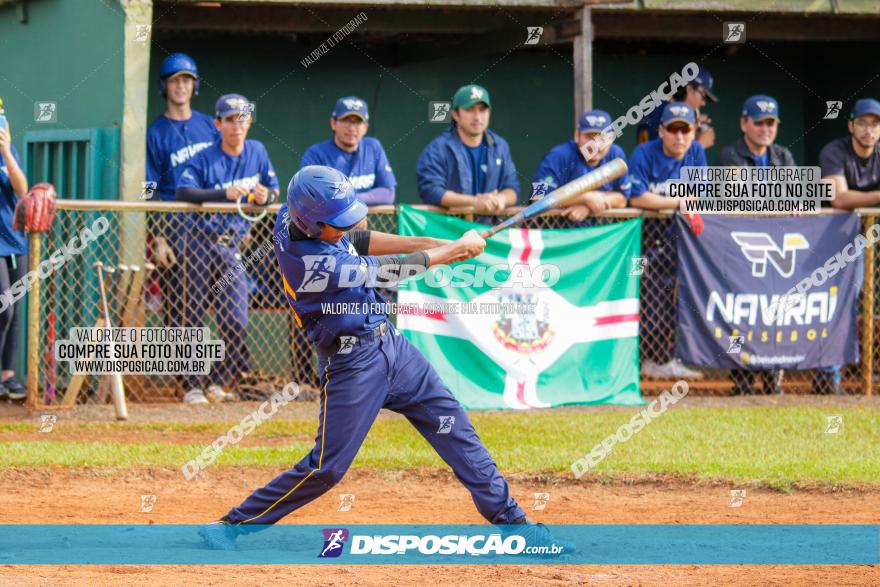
x=565, y=163
x=213, y=169
x=171, y=143
x=11, y=241
x=311, y=271
x=650, y=168
x=367, y=167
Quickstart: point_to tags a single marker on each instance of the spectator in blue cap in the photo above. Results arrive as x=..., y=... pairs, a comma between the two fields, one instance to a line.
x=567, y=162
x=853, y=162
x=234, y=169
x=361, y=158
x=756, y=147
x=697, y=94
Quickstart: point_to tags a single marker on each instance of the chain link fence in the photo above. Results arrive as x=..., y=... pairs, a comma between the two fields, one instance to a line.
x=162, y=269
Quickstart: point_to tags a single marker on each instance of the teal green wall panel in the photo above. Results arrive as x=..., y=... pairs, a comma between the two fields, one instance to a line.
x=69, y=52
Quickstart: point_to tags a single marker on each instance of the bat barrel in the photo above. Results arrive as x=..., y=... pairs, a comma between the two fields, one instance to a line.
x=564, y=194
x=594, y=179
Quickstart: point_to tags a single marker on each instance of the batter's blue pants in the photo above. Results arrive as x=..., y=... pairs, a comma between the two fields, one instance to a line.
x=382, y=372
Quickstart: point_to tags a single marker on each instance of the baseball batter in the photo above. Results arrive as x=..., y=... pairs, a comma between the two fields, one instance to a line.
x=365, y=364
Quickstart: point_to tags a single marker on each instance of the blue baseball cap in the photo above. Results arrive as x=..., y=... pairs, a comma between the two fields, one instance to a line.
x=351, y=105
x=704, y=79
x=594, y=121
x=864, y=107
x=678, y=112
x=761, y=107
x=231, y=104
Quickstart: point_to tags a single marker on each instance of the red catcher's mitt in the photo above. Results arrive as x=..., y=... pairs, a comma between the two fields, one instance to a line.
x=36, y=210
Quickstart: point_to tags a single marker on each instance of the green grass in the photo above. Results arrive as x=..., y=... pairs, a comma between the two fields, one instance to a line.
x=776, y=447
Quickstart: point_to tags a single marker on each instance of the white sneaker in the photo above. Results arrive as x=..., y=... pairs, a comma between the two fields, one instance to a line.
x=195, y=397
x=655, y=371
x=674, y=369
x=680, y=371
x=216, y=393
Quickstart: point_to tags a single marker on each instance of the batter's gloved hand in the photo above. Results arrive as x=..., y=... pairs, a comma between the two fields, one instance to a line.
x=164, y=255
x=35, y=211
x=696, y=223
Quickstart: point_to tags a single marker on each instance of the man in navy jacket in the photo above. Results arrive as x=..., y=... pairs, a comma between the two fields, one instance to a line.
x=468, y=165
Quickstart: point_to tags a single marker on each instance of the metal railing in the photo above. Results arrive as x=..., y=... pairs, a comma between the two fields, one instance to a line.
x=141, y=294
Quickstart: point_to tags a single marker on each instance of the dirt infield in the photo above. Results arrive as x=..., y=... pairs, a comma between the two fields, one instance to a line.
x=78, y=496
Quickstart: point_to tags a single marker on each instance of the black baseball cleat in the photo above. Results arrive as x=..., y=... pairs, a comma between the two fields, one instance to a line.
x=219, y=535
x=14, y=389
x=537, y=535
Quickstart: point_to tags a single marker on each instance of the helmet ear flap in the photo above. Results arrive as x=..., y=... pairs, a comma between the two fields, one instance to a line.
x=304, y=228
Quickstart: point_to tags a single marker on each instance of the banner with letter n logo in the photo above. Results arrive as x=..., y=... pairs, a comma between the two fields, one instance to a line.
x=769, y=293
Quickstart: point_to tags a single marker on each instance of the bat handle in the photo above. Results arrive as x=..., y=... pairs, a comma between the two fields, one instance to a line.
x=491, y=232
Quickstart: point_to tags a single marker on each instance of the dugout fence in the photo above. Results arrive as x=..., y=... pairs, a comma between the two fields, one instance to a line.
x=141, y=294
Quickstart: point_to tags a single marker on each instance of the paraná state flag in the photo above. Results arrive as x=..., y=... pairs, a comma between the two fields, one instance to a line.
x=500, y=340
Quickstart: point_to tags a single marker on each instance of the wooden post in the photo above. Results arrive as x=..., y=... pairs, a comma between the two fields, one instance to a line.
x=583, y=65
x=868, y=316
x=33, y=334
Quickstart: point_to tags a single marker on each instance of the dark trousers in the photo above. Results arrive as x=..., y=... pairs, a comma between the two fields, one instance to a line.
x=10, y=319
x=382, y=372
x=205, y=262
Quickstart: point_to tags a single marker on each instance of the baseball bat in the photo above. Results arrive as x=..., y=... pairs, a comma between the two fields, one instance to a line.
x=51, y=368
x=115, y=378
x=564, y=194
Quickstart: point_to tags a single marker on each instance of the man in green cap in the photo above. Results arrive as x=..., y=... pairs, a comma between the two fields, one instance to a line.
x=468, y=164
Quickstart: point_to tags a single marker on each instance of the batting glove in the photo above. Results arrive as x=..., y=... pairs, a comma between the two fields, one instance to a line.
x=696, y=222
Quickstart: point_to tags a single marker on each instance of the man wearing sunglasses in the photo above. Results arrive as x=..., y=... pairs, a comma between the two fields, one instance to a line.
x=652, y=165
x=566, y=162
x=756, y=148
x=697, y=95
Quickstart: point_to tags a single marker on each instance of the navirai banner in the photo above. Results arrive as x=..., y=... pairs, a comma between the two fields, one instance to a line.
x=769, y=293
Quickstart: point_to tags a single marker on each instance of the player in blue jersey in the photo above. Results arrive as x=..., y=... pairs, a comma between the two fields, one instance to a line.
x=181, y=132
x=13, y=245
x=652, y=165
x=361, y=158
x=172, y=139
x=234, y=169
x=365, y=363
x=566, y=162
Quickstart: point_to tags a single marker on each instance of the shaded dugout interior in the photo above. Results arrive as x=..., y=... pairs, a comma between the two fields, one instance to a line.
x=532, y=87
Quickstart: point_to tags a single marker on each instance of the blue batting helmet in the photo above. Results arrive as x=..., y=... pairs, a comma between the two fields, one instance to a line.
x=178, y=64
x=322, y=195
